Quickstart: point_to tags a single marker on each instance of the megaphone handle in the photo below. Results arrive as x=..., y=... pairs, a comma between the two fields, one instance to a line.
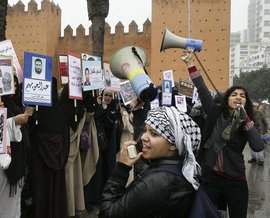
x=205, y=72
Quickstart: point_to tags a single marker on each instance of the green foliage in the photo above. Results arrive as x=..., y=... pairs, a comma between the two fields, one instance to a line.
x=256, y=82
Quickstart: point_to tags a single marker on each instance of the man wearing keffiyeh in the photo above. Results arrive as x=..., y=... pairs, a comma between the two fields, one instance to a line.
x=171, y=139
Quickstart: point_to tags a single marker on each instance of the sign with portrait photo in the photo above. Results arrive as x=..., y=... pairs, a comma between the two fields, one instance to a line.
x=92, y=75
x=110, y=81
x=3, y=124
x=37, y=85
x=6, y=75
x=126, y=92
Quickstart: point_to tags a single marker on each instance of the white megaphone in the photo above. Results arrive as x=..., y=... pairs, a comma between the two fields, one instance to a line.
x=128, y=63
x=170, y=40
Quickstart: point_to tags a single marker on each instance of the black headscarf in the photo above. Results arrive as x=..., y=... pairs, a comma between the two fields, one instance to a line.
x=50, y=119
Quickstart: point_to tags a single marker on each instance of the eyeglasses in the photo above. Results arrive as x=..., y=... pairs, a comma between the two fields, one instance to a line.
x=108, y=95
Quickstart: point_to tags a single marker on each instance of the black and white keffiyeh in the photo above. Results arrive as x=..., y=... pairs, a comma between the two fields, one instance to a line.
x=179, y=129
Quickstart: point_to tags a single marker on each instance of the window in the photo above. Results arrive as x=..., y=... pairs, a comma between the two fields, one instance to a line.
x=267, y=22
x=267, y=12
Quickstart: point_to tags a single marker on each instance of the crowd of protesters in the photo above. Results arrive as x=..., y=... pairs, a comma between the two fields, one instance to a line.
x=66, y=160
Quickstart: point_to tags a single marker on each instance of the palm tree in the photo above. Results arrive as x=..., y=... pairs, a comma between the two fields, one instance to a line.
x=3, y=22
x=97, y=12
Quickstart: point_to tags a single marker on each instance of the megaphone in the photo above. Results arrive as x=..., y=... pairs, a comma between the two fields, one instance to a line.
x=170, y=40
x=128, y=63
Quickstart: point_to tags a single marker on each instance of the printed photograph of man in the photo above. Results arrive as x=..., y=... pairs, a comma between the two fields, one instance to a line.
x=107, y=78
x=38, y=68
x=87, y=77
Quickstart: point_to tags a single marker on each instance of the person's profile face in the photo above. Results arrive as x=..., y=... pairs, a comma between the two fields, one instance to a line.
x=155, y=146
x=38, y=66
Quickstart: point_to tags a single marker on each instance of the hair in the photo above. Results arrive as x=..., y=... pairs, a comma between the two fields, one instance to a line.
x=87, y=69
x=248, y=106
x=38, y=60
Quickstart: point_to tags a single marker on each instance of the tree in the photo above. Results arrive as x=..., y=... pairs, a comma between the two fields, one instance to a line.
x=3, y=21
x=256, y=83
x=97, y=12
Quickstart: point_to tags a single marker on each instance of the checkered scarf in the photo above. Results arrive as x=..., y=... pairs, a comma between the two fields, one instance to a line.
x=179, y=129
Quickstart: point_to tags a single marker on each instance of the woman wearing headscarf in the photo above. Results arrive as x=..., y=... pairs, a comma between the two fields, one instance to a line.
x=105, y=117
x=170, y=140
x=49, y=139
x=228, y=127
x=12, y=179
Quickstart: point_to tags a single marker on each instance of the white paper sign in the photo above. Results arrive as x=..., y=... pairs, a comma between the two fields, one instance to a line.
x=92, y=75
x=37, y=91
x=110, y=81
x=6, y=48
x=74, y=76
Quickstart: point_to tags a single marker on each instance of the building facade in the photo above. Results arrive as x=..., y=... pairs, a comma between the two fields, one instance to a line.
x=253, y=53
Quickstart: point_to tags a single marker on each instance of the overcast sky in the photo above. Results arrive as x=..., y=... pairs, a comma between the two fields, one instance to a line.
x=74, y=13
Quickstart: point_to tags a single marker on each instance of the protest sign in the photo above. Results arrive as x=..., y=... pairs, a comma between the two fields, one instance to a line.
x=37, y=85
x=6, y=75
x=74, y=76
x=6, y=48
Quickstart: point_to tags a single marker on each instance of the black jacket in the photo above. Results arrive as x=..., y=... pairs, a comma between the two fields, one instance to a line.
x=212, y=142
x=152, y=194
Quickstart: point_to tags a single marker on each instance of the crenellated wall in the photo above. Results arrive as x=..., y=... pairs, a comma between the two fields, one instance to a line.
x=39, y=31
x=80, y=42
